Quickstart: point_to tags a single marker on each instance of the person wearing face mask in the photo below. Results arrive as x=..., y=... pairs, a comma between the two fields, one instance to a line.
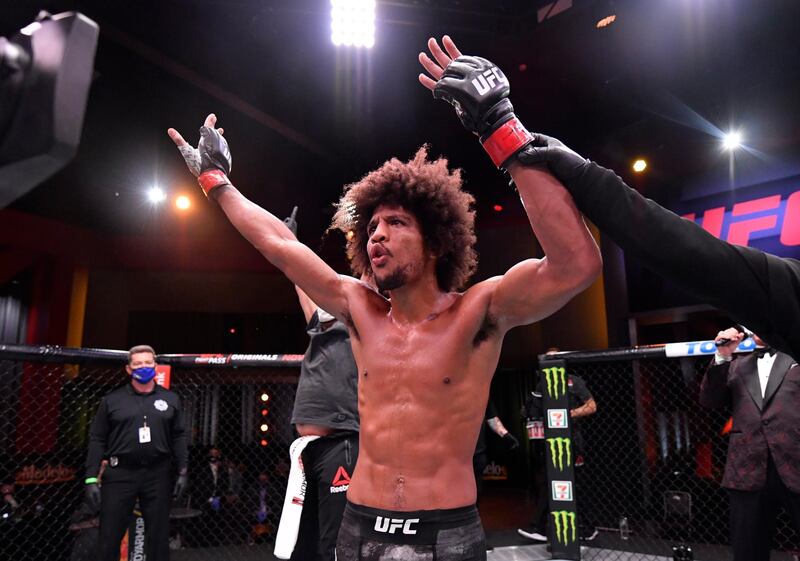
x=139, y=431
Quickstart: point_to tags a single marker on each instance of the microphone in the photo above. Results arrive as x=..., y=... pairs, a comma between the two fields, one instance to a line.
x=738, y=327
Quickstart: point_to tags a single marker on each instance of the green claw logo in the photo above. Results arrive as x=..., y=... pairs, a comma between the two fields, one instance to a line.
x=560, y=447
x=564, y=522
x=554, y=376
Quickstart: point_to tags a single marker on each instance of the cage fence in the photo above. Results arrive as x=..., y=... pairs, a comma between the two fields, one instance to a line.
x=653, y=460
x=50, y=395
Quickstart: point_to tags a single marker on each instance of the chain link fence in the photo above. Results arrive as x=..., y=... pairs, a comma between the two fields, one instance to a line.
x=652, y=455
x=653, y=462
x=49, y=397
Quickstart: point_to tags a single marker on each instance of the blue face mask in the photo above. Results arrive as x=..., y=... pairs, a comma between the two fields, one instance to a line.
x=144, y=374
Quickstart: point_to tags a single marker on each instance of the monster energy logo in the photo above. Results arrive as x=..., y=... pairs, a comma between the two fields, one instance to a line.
x=554, y=376
x=560, y=447
x=564, y=522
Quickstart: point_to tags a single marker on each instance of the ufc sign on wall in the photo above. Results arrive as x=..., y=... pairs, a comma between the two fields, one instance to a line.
x=769, y=221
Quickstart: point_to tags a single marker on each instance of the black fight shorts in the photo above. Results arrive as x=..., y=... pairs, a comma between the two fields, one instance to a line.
x=370, y=534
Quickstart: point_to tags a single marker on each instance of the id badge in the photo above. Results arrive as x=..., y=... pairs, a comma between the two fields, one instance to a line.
x=144, y=435
x=535, y=430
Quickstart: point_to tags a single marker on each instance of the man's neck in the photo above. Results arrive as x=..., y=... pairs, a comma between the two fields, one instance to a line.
x=418, y=301
x=138, y=387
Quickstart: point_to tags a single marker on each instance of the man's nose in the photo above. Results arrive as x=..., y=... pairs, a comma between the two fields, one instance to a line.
x=379, y=234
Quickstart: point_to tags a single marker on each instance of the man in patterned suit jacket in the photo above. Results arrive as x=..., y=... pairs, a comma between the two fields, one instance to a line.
x=763, y=467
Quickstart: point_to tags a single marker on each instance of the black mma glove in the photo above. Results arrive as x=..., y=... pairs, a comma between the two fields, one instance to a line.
x=291, y=221
x=479, y=92
x=562, y=162
x=511, y=441
x=93, y=495
x=211, y=161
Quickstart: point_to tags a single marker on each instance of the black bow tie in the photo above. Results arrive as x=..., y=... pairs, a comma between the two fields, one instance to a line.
x=764, y=351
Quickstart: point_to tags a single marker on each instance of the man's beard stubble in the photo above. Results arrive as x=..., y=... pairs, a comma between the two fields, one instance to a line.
x=392, y=281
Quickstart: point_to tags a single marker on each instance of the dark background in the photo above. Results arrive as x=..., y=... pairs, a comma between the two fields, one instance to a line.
x=304, y=118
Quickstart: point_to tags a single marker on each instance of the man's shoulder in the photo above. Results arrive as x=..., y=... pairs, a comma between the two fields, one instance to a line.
x=118, y=392
x=164, y=393
x=479, y=294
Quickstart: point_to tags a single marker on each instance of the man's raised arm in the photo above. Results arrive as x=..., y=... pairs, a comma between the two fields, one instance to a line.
x=535, y=288
x=211, y=163
x=757, y=289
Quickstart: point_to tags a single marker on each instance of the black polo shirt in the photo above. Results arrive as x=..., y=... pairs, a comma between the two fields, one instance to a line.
x=115, y=429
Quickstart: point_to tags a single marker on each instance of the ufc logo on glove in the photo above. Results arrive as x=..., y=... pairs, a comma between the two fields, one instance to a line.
x=486, y=81
x=391, y=525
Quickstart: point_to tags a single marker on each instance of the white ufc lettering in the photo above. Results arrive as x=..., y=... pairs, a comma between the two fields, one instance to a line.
x=486, y=81
x=391, y=525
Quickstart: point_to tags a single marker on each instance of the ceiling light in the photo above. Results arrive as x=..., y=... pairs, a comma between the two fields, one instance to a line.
x=353, y=23
x=732, y=140
x=183, y=202
x=639, y=165
x=606, y=21
x=156, y=194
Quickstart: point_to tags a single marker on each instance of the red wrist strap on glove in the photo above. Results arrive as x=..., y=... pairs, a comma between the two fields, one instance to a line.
x=212, y=179
x=507, y=140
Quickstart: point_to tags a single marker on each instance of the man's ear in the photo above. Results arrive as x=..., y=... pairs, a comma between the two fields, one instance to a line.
x=432, y=249
x=128, y=369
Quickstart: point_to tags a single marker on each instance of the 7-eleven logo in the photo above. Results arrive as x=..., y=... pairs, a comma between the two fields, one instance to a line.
x=341, y=481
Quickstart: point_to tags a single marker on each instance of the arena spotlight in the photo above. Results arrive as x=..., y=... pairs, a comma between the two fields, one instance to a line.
x=606, y=21
x=353, y=23
x=265, y=396
x=732, y=140
x=183, y=202
x=156, y=195
x=264, y=427
x=639, y=165
x=604, y=13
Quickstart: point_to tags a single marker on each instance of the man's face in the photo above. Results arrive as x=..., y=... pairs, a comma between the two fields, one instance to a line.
x=140, y=360
x=396, y=247
x=214, y=455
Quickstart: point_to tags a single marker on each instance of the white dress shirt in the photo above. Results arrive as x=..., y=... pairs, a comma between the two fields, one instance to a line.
x=764, y=365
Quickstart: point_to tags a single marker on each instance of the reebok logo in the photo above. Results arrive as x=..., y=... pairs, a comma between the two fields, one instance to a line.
x=341, y=481
x=486, y=80
x=391, y=525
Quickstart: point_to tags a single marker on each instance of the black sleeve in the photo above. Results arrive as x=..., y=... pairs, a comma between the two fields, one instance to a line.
x=534, y=406
x=758, y=290
x=714, y=390
x=491, y=411
x=580, y=389
x=98, y=437
x=180, y=447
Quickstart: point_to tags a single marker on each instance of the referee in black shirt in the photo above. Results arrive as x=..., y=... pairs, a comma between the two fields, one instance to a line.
x=138, y=429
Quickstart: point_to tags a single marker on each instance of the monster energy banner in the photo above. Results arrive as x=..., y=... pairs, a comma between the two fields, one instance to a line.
x=560, y=450
x=563, y=529
x=556, y=378
x=566, y=529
